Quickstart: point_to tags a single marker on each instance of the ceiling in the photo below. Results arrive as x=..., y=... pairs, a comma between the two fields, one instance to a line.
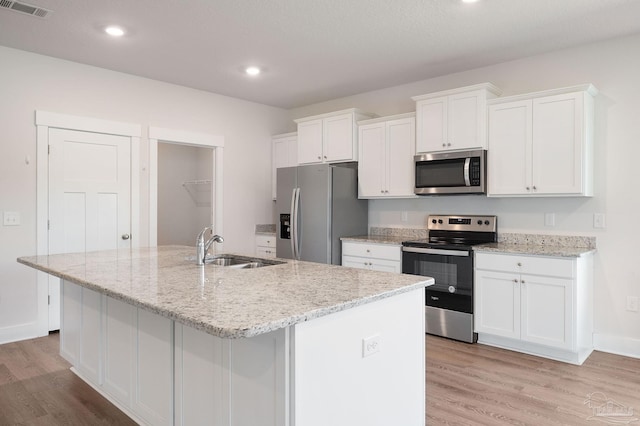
x=311, y=50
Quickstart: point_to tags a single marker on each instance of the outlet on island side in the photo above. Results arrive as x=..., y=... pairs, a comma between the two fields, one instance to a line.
x=632, y=303
x=370, y=345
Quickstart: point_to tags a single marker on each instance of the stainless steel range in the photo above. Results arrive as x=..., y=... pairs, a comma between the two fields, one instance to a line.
x=447, y=256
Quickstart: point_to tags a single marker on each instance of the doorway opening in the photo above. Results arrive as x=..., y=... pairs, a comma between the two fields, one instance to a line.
x=185, y=192
x=185, y=183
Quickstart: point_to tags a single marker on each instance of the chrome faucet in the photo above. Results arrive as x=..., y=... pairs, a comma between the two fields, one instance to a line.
x=202, y=247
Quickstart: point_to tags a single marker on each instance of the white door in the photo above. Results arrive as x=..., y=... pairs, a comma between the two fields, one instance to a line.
x=431, y=124
x=463, y=120
x=89, y=197
x=497, y=303
x=337, y=138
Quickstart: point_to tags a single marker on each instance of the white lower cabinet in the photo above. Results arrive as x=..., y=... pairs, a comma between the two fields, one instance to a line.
x=124, y=352
x=538, y=305
x=372, y=256
x=266, y=246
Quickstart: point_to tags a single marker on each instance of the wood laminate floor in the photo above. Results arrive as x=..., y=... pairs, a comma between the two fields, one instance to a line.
x=482, y=385
x=466, y=385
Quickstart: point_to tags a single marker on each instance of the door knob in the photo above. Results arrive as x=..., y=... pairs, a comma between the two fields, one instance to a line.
x=126, y=236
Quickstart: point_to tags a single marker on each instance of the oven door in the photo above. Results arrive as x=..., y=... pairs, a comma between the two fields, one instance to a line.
x=453, y=273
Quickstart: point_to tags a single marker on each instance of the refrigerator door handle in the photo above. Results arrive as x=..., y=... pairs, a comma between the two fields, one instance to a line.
x=295, y=237
x=291, y=223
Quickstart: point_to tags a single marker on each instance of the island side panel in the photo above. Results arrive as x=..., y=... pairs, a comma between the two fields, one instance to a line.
x=363, y=366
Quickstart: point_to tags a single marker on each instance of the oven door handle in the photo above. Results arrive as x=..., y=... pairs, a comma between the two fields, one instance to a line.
x=437, y=251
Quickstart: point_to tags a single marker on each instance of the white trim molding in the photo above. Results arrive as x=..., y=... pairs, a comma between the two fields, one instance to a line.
x=619, y=345
x=183, y=137
x=87, y=124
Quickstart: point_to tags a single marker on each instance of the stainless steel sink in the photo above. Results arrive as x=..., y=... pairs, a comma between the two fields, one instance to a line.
x=238, y=262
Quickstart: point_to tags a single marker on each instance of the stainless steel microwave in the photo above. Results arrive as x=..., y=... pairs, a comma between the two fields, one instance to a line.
x=452, y=172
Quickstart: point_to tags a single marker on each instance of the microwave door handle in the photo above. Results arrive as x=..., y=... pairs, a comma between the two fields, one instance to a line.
x=467, y=162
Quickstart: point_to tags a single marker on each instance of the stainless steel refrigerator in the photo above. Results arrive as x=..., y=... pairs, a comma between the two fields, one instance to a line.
x=315, y=206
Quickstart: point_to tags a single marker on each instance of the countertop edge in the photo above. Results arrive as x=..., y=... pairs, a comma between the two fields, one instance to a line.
x=231, y=333
x=534, y=250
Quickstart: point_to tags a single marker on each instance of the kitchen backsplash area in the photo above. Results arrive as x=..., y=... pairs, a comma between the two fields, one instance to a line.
x=267, y=228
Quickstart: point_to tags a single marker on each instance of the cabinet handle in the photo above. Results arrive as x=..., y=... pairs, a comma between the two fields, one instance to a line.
x=325, y=157
x=515, y=280
x=444, y=144
x=534, y=188
x=519, y=264
x=521, y=281
x=449, y=144
x=320, y=158
x=368, y=251
x=382, y=191
x=528, y=189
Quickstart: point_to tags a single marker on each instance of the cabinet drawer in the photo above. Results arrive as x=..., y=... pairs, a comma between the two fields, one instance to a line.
x=535, y=265
x=265, y=252
x=266, y=241
x=373, y=251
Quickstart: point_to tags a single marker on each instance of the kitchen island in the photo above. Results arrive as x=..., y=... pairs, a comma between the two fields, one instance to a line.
x=296, y=343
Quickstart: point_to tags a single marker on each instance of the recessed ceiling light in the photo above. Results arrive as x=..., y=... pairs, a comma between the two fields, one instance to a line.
x=252, y=71
x=469, y=1
x=114, y=31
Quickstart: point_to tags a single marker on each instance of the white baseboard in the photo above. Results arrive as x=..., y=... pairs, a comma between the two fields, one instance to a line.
x=625, y=346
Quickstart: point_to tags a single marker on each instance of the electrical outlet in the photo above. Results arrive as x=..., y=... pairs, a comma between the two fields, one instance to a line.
x=11, y=218
x=370, y=345
x=632, y=303
x=549, y=219
x=404, y=216
x=599, y=221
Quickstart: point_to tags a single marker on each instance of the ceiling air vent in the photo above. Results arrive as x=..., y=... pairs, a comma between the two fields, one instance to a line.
x=17, y=6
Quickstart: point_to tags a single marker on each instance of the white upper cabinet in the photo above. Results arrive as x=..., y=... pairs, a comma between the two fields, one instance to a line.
x=329, y=138
x=541, y=144
x=385, y=159
x=453, y=119
x=284, y=154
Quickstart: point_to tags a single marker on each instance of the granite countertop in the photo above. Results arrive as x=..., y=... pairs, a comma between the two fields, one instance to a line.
x=533, y=249
x=376, y=239
x=229, y=303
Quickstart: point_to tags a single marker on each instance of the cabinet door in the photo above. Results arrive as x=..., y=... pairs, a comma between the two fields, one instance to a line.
x=399, y=154
x=465, y=128
x=153, y=399
x=497, y=303
x=119, y=339
x=431, y=128
x=355, y=262
x=509, y=155
x=310, y=142
x=371, y=160
x=285, y=154
x=89, y=362
x=338, y=138
x=557, y=144
x=385, y=265
x=547, y=310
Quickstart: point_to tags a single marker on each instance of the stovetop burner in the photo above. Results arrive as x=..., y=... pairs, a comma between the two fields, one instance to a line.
x=460, y=232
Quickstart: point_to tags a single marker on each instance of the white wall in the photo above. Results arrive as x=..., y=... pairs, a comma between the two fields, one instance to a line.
x=30, y=82
x=613, y=69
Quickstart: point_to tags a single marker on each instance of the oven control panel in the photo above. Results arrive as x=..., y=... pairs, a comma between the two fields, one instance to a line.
x=470, y=223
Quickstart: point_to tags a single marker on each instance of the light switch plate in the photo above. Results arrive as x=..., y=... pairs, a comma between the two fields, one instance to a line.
x=599, y=221
x=11, y=218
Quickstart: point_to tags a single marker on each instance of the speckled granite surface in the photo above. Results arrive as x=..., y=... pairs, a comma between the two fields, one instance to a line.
x=541, y=245
x=266, y=229
x=389, y=235
x=229, y=303
x=375, y=239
